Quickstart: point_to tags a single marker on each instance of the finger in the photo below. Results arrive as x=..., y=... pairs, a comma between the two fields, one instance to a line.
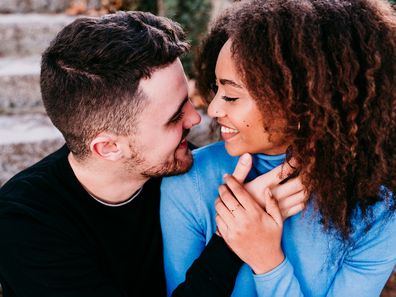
x=272, y=208
x=276, y=175
x=239, y=192
x=292, y=210
x=228, y=199
x=243, y=167
x=221, y=226
x=223, y=211
x=289, y=188
x=292, y=200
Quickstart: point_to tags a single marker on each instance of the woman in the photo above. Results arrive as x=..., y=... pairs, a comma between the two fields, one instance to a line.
x=312, y=80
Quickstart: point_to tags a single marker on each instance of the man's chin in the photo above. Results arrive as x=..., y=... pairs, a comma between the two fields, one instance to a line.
x=178, y=166
x=181, y=166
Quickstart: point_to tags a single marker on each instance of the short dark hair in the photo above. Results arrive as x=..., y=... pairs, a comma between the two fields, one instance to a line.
x=90, y=73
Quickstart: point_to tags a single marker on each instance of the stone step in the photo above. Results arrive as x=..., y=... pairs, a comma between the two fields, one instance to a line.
x=29, y=34
x=20, y=85
x=25, y=139
x=25, y=6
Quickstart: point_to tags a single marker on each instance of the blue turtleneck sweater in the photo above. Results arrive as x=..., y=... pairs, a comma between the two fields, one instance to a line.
x=316, y=262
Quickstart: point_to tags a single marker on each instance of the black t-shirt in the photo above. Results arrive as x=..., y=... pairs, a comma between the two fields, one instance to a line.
x=56, y=240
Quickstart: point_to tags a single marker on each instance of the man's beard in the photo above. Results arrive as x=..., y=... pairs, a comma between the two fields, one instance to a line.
x=178, y=165
x=175, y=167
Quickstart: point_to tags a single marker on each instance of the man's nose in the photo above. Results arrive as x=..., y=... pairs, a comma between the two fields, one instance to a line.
x=193, y=117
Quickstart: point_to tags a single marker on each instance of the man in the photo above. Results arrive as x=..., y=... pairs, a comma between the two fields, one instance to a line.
x=84, y=221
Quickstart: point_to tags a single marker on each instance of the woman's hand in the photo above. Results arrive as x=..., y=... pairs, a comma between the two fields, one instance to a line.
x=291, y=195
x=253, y=233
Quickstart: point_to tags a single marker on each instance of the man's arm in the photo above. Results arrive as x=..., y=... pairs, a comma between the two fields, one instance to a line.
x=213, y=273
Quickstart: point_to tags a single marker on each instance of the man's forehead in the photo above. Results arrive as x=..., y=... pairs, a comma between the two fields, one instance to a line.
x=168, y=79
x=165, y=91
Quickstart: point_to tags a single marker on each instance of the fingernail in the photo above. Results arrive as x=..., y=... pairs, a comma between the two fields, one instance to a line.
x=245, y=159
x=225, y=176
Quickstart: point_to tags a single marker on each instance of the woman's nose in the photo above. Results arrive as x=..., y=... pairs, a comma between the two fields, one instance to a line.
x=215, y=108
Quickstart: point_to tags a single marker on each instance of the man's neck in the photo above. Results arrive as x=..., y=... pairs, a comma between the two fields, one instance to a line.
x=106, y=183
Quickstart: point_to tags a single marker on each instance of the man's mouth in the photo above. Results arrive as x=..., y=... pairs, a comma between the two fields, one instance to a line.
x=183, y=142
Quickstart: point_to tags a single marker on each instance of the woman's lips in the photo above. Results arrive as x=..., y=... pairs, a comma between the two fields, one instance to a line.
x=228, y=133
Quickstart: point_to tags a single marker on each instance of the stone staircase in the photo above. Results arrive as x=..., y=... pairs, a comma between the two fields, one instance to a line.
x=26, y=29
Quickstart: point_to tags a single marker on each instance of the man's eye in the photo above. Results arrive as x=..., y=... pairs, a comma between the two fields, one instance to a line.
x=229, y=99
x=177, y=118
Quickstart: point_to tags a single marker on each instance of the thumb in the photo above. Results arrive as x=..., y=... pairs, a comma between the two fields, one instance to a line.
x=243, y=167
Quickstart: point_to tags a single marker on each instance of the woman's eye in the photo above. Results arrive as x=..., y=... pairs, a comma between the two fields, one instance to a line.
x=229, y=99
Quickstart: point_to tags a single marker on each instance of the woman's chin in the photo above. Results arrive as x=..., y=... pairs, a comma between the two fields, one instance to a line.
x=234, y=151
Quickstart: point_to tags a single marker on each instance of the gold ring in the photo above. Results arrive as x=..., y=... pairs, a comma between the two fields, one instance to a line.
x=236, y=207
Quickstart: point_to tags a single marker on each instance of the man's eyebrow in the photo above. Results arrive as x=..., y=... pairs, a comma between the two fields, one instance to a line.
x=229, y=82
x=178, y=111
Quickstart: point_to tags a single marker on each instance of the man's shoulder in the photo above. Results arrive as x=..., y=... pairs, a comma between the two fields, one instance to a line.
x=34, y=179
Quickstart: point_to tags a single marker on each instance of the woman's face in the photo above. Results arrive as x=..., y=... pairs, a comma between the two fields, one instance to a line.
x=238, y=115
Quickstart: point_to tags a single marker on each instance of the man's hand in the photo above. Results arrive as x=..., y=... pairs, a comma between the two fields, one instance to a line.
x=291, y=195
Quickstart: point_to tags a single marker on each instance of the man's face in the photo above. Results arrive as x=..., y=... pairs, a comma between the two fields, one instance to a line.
x=159, y=146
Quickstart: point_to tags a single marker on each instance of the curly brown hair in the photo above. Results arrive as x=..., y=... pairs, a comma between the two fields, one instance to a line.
x=328, y=67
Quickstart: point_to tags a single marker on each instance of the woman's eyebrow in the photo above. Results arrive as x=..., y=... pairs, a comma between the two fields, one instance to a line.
x=229, y=82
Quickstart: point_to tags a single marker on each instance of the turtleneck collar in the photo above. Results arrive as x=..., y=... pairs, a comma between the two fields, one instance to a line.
x=264, y=163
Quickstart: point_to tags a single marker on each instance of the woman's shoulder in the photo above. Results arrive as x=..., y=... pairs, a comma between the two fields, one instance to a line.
x=212, y=153
x=194, y=191
x=210, y=162
x=217, y=146
x=379, y=223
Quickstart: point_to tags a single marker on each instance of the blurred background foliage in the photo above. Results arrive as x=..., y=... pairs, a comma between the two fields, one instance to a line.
x=193, y=15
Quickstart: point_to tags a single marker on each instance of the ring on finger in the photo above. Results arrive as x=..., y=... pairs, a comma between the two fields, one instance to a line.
x=236, y=207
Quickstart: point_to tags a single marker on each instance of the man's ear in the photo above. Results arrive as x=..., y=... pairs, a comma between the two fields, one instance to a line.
x=106, y=146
